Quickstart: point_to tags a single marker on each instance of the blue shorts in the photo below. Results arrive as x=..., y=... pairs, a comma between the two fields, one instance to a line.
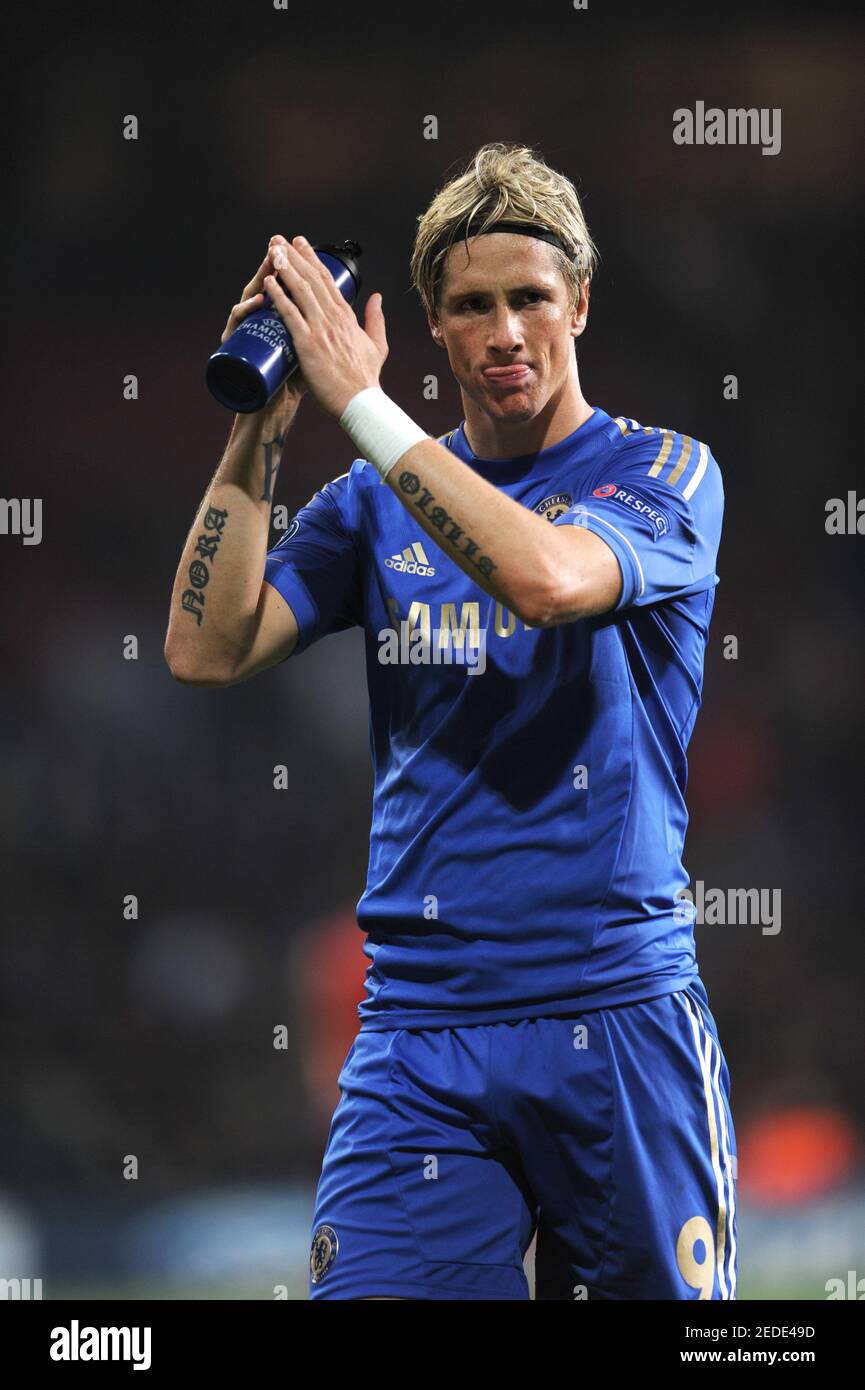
x=609, y=1133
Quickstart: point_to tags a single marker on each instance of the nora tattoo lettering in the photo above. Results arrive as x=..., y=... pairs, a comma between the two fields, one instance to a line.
x=422, y=499
x=206, y=546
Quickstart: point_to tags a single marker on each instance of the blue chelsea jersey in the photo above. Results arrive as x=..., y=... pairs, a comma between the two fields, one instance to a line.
x=528, y=810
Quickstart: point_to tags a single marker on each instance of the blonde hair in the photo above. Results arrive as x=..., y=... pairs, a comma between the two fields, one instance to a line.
x=502, y=182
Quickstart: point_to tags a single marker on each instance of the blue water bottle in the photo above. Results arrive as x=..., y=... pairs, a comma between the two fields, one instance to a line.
x=252, y=364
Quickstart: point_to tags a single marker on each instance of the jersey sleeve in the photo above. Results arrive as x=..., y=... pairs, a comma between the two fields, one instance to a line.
x=659, y=505
x=315, y=566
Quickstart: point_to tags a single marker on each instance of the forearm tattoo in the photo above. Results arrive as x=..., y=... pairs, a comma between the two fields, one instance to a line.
x=206, y=546
x=411, y=486
x=272, y=457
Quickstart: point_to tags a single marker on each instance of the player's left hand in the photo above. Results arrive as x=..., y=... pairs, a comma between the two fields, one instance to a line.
x=338, y=358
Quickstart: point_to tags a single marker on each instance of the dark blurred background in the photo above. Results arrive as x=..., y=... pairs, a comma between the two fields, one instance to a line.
x=152, y=1038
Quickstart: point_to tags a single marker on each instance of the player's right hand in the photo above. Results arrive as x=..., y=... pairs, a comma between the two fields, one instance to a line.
x=252, y=298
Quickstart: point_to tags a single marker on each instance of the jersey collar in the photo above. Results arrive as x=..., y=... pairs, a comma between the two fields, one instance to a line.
x=572, y=449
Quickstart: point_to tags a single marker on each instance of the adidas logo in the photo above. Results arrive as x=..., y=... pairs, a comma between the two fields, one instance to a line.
x=412, y=560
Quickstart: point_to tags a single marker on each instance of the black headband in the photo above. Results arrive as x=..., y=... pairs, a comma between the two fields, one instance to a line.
x=523, y=229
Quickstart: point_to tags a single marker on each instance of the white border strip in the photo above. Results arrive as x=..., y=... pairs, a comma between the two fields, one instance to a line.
x=616, y=531
x=697, y=476
x=720, y=1180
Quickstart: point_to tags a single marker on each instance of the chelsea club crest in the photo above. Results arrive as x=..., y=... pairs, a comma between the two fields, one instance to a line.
x=553, y=506
x=325, y=1246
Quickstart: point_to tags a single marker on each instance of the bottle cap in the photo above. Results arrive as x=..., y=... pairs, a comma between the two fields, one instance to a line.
x=347, y=252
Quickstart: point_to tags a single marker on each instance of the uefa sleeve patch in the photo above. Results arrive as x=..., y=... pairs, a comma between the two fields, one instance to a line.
x=635, y=502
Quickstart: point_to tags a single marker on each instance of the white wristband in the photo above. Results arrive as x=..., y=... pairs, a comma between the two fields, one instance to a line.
x=381, y=431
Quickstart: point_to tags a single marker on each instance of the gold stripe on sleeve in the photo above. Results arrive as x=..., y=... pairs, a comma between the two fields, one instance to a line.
x=663, y=455
x=676, y=473
x=629, y=426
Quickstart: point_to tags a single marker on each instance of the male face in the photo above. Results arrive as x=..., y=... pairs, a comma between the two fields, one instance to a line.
x=504, y=317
